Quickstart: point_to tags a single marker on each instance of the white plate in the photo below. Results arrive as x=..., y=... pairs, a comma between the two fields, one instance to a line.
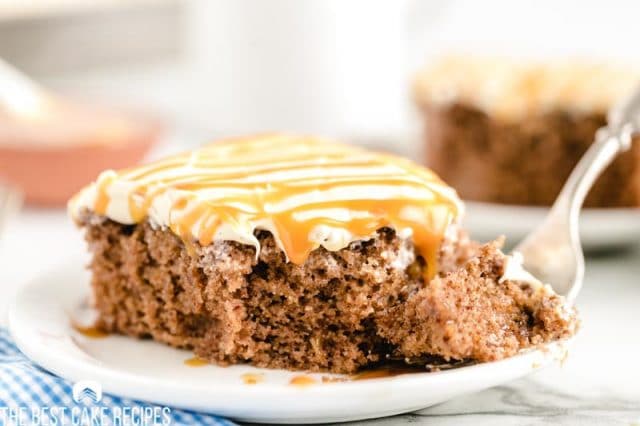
x=39, y=320
x=599, y=228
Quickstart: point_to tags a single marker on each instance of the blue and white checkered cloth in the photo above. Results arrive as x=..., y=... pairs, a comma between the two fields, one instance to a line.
x=28, y=393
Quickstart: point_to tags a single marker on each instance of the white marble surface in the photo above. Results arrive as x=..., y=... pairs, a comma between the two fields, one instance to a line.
x=598, y=384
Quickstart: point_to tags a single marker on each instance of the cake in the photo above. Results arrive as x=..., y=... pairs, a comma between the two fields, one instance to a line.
x=483, y=116
x=297, y=252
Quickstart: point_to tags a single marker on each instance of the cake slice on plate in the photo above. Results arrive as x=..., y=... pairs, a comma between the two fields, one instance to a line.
x=482, y=116
x=297, y=252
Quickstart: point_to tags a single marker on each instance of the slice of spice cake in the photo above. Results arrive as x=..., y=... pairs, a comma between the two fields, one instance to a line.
x=297, y=252
x=510, y=132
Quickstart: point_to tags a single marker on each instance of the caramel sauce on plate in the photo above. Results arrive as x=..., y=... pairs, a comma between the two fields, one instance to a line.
x=302, y=381
x=381, y=372
x=196, y=362
x=90, y=331
x=252, y=378
x=328, y=379
x=385, y=371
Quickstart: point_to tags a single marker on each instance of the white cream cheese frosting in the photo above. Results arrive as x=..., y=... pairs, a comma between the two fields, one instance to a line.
x=307, y=191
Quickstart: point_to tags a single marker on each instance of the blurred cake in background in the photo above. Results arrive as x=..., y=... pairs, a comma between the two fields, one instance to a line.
x=506, y=132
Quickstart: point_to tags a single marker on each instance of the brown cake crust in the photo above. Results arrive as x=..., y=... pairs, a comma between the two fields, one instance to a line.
x=338, y=312
x=522, y=161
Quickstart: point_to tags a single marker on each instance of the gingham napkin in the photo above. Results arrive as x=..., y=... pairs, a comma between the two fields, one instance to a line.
x=27, y=390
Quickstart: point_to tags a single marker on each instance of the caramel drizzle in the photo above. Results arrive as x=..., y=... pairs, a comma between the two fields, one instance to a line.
x=196, y=362
x=92, y=332
x=302, y=381
x=240, y=182
x=252, y=378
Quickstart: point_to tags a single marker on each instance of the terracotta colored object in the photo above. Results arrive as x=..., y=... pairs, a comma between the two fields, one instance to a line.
x=50, y=173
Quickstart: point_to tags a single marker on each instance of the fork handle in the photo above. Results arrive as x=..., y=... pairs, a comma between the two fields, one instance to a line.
x=564, y=215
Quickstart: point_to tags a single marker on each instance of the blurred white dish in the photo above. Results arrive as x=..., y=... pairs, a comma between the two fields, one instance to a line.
x=599, y=228
x=40, y=320
x=252, y=73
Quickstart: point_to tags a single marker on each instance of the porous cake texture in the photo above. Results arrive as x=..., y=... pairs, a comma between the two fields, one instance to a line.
x=339, y=311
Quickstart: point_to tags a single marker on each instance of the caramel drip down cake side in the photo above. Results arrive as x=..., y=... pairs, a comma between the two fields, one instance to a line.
x=308, y=192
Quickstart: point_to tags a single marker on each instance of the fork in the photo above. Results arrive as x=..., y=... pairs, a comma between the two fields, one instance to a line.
x=552, y=252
